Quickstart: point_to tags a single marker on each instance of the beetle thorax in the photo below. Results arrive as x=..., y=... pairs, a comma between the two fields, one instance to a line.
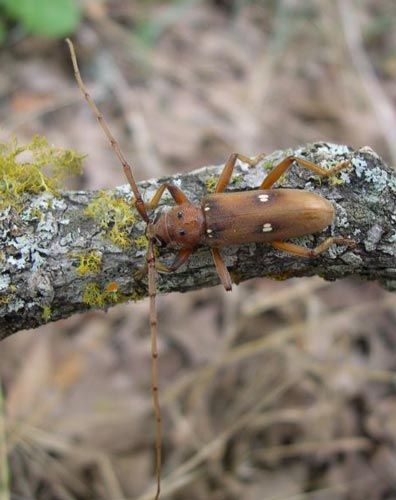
x=181, y=226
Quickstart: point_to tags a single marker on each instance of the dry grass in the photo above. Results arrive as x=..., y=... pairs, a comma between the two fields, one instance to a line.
x=276, y=391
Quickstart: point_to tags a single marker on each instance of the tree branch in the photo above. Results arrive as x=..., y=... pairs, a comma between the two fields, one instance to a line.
x=56, y=260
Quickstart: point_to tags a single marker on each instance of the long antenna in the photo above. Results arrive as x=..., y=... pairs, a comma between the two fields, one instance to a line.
x=113, y=142
x=150, y=260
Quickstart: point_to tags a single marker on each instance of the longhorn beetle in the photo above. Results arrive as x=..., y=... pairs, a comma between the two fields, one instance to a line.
x=263, y=215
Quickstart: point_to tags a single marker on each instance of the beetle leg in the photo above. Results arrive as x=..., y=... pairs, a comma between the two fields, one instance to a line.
x=177, y=195
x=222, y=270
x=156, y=198
x=311, y=252
x=182, y=255
x=286, y=163
x=225, y=175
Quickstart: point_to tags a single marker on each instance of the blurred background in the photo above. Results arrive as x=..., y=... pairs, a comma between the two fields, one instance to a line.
x=280, y=390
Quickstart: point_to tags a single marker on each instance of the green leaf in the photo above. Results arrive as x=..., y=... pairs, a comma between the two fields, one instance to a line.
x=3, y=31
x=45, y=17
x=10, y=7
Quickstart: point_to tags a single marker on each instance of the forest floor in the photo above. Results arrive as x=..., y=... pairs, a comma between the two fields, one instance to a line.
x=279, y=390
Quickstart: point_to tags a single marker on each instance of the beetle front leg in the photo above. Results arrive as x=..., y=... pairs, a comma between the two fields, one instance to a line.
x=225, y=175
x=176, y=193
x=222, y=270
x=286, y=163
x=182, y=255
x=301, y=251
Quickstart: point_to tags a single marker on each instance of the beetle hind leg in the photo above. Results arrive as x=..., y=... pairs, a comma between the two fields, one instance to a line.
x=225, y=175
x=286, y=163
x=301, y=251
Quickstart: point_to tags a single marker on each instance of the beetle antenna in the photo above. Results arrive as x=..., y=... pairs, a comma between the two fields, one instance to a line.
x=113, y=142
x=150, y=260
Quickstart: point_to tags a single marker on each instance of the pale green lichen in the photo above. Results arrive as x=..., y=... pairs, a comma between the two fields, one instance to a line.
x=378, y=177
x=360, y=166
x=392, y=184
x=33, y=169
x=114, y=216
x=5, y=281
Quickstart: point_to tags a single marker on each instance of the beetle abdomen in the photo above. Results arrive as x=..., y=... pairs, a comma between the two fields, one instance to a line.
x=262, y=216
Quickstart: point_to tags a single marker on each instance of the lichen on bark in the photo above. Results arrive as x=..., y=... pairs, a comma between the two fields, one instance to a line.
x=41, y=246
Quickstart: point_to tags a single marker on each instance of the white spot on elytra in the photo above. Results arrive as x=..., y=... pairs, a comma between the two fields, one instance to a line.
x=263, y=197
x=209, y=231
x=207, y=208
x=267, y=227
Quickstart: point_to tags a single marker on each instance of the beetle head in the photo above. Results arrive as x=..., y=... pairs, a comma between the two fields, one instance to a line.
x=180, y=227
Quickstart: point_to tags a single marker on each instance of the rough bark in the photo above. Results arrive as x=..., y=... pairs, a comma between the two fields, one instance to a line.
x=40, y=254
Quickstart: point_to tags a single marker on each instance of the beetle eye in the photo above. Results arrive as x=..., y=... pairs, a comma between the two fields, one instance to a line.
x=179, y=215
x=182, y=232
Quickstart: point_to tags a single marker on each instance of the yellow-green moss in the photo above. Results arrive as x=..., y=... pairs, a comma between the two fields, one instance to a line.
x=94, y=296
x=211, y=183
x=33, y=169
x=46, y=314
x=141, y=242
x=113, y=294
x=36, y=213
x=156, y=251
x=90, y=262
x=236, y=179
x=114, y=216
x=8, y=295
x=335, y=180
x=268, y=165
x=279, y=277
x=5, y=300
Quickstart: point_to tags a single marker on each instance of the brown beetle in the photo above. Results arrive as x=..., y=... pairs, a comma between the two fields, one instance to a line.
x=260, y=216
